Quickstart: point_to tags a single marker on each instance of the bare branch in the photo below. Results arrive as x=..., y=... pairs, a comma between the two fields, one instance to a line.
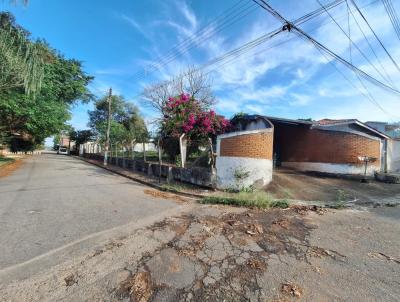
x=192, y=81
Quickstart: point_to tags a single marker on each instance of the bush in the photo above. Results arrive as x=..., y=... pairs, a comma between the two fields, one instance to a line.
x=255, y=199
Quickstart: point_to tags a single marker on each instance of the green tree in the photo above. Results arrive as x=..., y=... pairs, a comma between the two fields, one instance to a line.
x=127, y=125
x=21, y=60
x=37, y=86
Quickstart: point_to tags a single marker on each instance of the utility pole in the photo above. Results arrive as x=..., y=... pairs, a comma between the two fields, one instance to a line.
x=108, y=128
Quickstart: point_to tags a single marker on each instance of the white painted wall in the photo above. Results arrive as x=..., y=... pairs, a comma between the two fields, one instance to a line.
x=259, y=124
x=149, y=147
x=331, y=168
x=393, y=156
x=260, y=171
x=346, y=128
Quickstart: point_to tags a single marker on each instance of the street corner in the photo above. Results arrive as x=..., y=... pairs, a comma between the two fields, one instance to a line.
x=226, y=257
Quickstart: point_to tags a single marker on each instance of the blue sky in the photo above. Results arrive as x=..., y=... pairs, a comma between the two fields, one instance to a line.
x=284, y=77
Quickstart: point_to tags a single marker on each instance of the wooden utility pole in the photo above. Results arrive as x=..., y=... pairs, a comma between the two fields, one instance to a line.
x=107, y=146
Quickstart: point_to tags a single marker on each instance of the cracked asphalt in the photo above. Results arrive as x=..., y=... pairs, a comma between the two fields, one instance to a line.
x=221, y=253
x=55, y=204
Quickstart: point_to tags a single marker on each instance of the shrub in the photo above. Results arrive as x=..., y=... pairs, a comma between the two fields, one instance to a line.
x=255, y=199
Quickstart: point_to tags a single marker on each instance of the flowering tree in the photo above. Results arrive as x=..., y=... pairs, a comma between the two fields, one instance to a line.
x=185, y=115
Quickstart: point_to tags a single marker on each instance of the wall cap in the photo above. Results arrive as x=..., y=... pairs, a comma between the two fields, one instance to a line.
x=238, y=133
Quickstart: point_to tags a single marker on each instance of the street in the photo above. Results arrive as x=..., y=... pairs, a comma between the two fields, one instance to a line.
x=60, y=205
x=71, y=231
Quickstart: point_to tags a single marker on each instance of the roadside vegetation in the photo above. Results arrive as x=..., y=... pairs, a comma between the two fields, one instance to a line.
x=254, y=199
x=5, y=160
x=38, y=87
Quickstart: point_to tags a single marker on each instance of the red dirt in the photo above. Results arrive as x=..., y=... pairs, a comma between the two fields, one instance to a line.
x=7, y=169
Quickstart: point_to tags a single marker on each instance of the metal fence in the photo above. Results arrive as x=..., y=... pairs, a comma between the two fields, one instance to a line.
x=198, y=155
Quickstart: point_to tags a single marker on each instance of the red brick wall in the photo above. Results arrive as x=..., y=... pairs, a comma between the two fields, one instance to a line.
x=312, y=145
x=254, y=145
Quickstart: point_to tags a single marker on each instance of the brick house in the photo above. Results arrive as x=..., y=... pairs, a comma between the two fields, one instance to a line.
x=329, y=146
x=245, y=158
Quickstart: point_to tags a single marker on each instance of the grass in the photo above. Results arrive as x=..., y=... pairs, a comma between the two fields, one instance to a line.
x=5, y=160
x=172, y=187
x=256, y=199
x=340, y=202
x=178, y=187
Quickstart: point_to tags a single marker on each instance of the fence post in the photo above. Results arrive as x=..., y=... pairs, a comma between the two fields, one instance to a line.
x=159, y=161
x=116, y=154
x=183, y=148
x=123, y=157
x=144, y=152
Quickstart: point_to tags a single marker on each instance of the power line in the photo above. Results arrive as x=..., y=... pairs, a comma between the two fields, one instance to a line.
x=369, y=94
x=263, y=38
x=372, y=100
x=352, y=42
x=369, y=43
x=226, y=19
x=333, y=4
x=321, y=48
x=290, y=26
x=376, y=36
x=392, y=16
x=300, y=21
x=238, y=53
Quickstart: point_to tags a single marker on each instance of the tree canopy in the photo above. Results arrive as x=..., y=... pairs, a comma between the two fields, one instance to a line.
x=21, y=60
x=127, y=125
x=36, y=97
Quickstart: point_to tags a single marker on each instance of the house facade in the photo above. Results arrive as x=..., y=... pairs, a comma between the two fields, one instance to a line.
x=327, y=146
x=392, y=147
x=245, y=158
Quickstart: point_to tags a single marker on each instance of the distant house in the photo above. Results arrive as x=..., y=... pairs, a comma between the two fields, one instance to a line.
x=330, y=146
x=392, y=147
x=392, y=130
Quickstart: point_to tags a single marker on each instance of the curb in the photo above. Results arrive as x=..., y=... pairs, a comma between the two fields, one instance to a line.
x=10, y=163
x=321, y=204
x=152, y=185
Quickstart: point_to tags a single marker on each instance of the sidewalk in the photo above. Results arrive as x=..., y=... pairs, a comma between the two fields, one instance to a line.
x=187, y=190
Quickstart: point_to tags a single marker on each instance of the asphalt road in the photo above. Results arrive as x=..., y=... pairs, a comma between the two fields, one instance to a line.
x=55, y=201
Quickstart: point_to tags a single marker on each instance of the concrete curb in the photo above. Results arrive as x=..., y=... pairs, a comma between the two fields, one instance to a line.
x=318, y=203
x=9, y=163
x=152, y=185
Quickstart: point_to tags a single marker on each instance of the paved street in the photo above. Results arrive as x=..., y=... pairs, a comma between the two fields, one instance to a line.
x=55, y=203
x=73, y=232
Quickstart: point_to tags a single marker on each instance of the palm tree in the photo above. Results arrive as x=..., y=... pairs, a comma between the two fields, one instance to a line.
x=21, y=60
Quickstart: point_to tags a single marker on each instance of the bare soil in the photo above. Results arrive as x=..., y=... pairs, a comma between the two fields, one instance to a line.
x=9, y=168
x=295, y=185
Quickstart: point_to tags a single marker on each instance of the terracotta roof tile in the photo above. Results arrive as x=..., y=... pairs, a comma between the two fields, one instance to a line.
x=333, y=122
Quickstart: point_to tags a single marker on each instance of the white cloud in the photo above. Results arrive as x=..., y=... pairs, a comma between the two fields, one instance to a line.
x=262, y=95
x=134, y=24
x=255, y=109
x=300, y=73
x=299, y=99
x=311, y=79
x=188, y=14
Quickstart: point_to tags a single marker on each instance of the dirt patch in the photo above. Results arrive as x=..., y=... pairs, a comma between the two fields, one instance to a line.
x=71, y=279
x=292, y=290
x=9, y=168
x=296, y=185
x=223, y=257
x=137, y=287
x=256, y=264
x=165, y=195
x=383, y=256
